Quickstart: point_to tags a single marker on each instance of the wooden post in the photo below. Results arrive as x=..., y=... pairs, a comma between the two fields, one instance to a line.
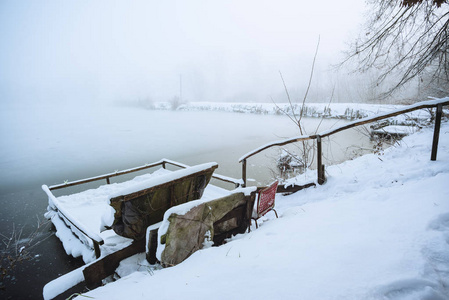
x=108, y=181
x=323, y=174
x=163, y=164
x=97, y=249
x=244, y=172
x=436, y=132
x=319, y=164
x=152, y=247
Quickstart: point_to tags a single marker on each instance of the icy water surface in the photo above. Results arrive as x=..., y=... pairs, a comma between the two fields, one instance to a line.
x=48, y=146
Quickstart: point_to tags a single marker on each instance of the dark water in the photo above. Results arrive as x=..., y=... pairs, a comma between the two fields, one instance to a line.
x=22, y=211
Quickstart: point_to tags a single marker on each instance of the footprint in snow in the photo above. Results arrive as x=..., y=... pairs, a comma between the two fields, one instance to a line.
x=411, y=289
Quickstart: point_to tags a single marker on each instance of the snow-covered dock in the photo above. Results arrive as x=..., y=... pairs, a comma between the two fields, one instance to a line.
x=82, y=219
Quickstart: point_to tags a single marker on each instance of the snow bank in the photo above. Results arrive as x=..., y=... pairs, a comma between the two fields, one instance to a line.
x=63, y=283
x=376, y=230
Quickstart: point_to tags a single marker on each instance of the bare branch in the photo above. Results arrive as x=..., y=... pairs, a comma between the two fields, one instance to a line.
x=310, y=79
x=408, y=38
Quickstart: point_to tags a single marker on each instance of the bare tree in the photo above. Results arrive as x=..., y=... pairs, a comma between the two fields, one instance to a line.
x=406, y=40
x=304, y=160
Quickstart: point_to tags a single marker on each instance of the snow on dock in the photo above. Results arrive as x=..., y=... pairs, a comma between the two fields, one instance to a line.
x=89, y=211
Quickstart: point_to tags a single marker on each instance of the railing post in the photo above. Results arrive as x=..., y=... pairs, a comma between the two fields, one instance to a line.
x=97, y=249
x=319, y=164
x=152, y=246
x=244, y=172
x=108, y=181
x=163, y=164
x=436, y=132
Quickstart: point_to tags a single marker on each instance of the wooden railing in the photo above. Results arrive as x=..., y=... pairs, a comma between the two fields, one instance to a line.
x=163, y=162
x=318, y=137
x=95, y=238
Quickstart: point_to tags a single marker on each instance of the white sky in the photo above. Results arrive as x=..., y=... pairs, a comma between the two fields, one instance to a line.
x=127, y=50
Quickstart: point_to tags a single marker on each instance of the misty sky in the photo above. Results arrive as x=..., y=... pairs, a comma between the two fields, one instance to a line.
x=94, y=51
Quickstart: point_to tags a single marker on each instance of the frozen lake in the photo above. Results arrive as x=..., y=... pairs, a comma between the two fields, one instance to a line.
x=47, y=146
x=40, y=146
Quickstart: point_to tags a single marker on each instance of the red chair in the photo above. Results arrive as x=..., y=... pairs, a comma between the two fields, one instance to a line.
x=265, y=202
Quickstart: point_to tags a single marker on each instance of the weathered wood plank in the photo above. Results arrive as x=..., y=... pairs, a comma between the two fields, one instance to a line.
x=293, y=189
x=96, y=272
x=143, y=192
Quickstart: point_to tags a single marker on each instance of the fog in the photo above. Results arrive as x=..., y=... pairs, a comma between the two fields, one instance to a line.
x=109, y=51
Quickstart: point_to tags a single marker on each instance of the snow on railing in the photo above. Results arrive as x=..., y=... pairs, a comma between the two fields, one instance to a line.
x=438, y=103
x=161, y=162
x=107, y=176
x=236, y=182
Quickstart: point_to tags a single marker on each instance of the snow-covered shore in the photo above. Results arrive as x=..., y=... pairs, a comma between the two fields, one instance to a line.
x=347, y=111
x=378, y=229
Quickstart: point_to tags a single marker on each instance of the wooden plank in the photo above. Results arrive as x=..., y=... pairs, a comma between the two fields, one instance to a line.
x=131, y=196
x=215, y=176
x=96, y=272
x=241, y=214
x=293, y=189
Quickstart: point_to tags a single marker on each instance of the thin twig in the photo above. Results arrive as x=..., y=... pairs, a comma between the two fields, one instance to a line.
x=310, y=79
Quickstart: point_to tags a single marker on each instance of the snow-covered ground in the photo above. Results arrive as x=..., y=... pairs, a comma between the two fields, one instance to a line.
x=378, y=229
